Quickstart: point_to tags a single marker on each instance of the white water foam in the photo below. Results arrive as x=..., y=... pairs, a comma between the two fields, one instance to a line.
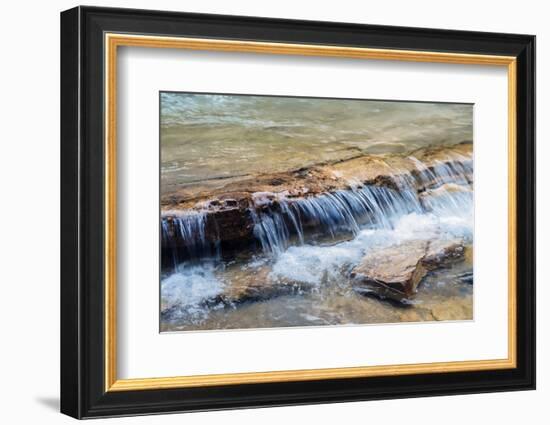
x=315, y=264
x=446, y=213
x=188, y=288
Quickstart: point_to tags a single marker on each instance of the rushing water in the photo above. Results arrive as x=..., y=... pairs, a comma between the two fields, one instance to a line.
x=323, y=291
x=308, y=245
x=329, y=216
x=311, y=245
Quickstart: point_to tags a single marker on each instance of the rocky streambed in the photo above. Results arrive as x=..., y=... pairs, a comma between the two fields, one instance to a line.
x=368, y=239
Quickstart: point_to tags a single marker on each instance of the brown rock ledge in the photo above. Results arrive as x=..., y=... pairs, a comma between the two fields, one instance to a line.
x=382, y=170
x=229, y=222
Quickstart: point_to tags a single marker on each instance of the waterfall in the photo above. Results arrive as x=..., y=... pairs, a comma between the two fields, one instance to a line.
x=184, y=236
x=330, y=215
x=271, y=231
x=449, y=203
x=440, y=173
x=277, y=222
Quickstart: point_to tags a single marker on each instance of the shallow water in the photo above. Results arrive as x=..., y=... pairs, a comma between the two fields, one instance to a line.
x=301, y=278
x=442, y=296
x=208, y=139
x=321, y=291
x=340, y=306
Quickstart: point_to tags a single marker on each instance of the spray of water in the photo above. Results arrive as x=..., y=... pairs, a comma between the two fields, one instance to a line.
x=315, y=239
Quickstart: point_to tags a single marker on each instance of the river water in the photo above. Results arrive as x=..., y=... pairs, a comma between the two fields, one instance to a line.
x=207, y=141
x=323, y=293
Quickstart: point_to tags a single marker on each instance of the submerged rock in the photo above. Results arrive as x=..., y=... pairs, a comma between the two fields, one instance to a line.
x=245, y=286
x=455, y=308
x=395, y=272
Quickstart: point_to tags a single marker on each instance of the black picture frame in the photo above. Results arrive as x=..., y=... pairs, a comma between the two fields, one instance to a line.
x=83, y=392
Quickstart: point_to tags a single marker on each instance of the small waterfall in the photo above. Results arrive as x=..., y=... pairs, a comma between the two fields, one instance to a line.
x=191, y=230
x=277, y=222
x=330, y=215
x=346, y=212
x=271, y=230
x=449, y=203
x=456, y=171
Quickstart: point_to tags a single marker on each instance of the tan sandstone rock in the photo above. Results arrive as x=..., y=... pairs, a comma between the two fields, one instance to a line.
x=395, y=272
x=259, y=286
x=441, y=252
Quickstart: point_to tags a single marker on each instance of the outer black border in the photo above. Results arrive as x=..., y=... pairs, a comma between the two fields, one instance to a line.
x=82, y=205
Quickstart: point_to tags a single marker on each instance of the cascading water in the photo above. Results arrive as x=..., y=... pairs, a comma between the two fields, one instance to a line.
x=281, y=211
x=440, y=173
x=330, y=216
x=184, y=236
x=283, y=222
x=333, y=215
x=314, y=242
x=272, y=231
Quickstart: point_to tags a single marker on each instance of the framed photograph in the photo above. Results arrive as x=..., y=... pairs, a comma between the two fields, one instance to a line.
x=261, y=212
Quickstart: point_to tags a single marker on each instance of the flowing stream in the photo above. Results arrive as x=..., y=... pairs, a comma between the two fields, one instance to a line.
x=309, y=246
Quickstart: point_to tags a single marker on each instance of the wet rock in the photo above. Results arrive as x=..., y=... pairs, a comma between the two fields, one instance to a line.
x=257, y=286
x=469, y=255
x=466, y=277
x=230, y=211
x=383, y=170
x=442, y=252
x=395, y=272
x=432, y=197
x=445, y=189
x=207, y=234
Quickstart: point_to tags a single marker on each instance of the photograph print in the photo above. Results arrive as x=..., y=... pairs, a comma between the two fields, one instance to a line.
x=296, y=211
